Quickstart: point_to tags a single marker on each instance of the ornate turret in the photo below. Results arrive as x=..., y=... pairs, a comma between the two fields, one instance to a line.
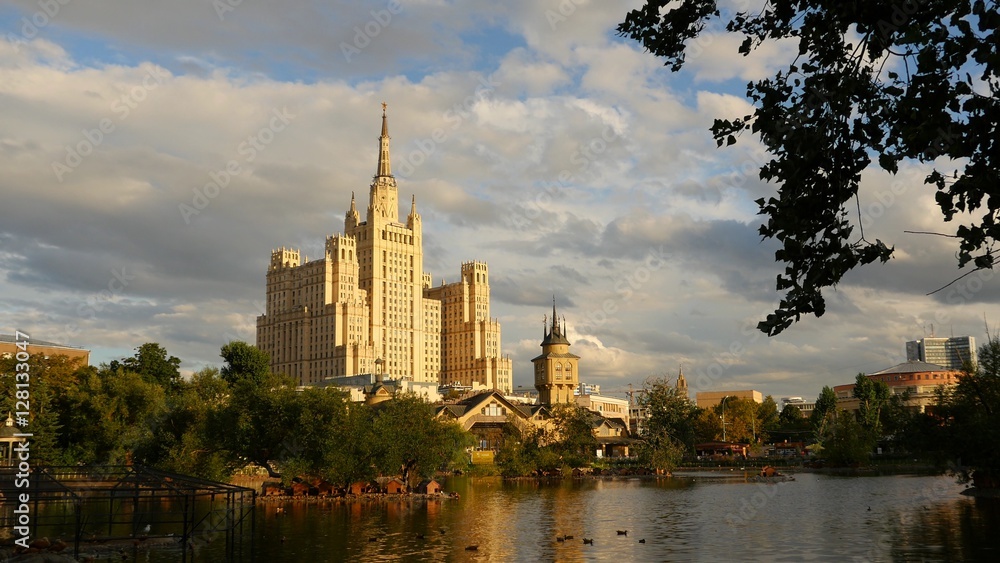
x=413, y=218
x=555, y=334
x=353, y=218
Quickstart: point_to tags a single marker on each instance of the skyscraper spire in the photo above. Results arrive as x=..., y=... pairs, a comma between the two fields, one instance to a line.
x=384, y=167
x=413, y=219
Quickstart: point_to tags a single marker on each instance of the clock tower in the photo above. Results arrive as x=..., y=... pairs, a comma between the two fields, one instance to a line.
x=557, y=372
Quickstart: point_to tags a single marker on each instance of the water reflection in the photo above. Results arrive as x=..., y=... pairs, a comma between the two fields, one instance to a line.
x=700, y=516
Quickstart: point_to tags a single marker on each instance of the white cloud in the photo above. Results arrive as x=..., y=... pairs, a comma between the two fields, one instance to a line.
x=559, y=155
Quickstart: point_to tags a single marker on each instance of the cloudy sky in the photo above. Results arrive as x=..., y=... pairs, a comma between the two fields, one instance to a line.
x=531, y=135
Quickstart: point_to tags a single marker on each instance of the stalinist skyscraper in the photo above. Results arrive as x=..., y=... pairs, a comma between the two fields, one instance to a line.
x=367, y=306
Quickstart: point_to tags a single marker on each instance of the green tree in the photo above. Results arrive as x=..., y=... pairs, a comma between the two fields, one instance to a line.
x=411, y=441
x=826, y=405
x=317, y=426
x=153, y=364
x=518, y=454
x=707, y=427
x=790, y=417
x=111, y=415
x=793, y=426
x=574, y=435
x=846, y=442
x=244, y=361
x=742, y=419
x=873, y=397
x=868, y=81
x=48, y=379
x=767, y=418
x=669, y=430
x=183, y=440
x=968, y=420
x=256, y=423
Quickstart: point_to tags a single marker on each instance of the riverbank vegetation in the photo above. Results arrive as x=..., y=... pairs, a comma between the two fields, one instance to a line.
x=220, y=421
x=139, y=410
x=958, y=433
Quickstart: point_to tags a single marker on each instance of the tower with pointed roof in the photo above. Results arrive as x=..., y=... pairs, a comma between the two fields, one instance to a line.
x=368, y=306
x=557, y=371
x=682, y=384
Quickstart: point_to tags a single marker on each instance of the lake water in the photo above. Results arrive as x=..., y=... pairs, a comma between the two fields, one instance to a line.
x=707, y=516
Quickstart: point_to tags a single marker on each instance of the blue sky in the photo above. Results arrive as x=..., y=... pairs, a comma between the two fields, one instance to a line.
x=649, y=242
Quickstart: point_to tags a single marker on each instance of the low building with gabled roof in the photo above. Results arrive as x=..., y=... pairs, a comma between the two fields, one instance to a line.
x=612, y=435
x=485, y=414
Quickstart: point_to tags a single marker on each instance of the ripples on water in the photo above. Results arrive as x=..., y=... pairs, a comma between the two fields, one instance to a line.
x=692, y=517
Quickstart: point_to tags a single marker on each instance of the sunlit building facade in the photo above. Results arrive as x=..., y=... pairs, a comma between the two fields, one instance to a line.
x=367, y=306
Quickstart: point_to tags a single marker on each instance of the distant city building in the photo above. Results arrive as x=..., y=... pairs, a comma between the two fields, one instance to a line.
x=8, y=349
x=708, y=399
x=557, y=373
x=950, y=353
x=587, y=389
x=608, y=407
x=367, y=300
x=807, y=407
x=362, y=386
x=920, y=379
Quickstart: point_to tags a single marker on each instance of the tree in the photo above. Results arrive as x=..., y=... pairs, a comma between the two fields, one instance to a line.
x=826, y=405
x=111, y=415
x=153, y=364
x=875, y=80
x=741, y=419
x=790, y=417
x=669, y=430
x=707, y=426
x=845, y=441
x=873, y=396
x=968, y=420
x=520, y=446
x=256, y=423
x=244, y=361
x=184, y=441
x=767, y=418
x=574, y=434
x=411, y=441
x=49, y=380
x=793, y=426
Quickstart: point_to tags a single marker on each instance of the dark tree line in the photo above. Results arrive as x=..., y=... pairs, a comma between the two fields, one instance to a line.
x=140, y=410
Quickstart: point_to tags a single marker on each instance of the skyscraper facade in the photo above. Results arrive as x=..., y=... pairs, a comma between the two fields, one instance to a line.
x=951, y=353
x=367, y=306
